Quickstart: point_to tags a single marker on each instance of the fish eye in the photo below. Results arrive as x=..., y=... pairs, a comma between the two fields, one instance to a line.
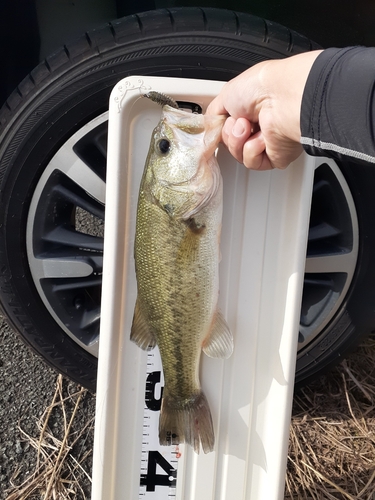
x=164, y=146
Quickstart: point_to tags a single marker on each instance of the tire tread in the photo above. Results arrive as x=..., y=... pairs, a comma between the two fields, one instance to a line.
x=153, y=24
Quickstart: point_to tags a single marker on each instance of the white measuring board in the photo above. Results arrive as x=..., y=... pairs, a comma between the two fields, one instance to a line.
x=263, y=246
x=158, y=471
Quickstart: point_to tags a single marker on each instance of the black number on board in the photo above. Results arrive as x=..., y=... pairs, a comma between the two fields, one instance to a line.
x=151, y=479
x=151, y=402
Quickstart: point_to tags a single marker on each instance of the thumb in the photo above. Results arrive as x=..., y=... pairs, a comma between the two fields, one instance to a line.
x=216, y=107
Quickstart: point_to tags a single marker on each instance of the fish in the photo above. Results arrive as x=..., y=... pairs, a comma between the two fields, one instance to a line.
x=177, y=253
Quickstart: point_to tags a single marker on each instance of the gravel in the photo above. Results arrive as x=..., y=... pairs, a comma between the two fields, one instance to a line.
x=27, y=388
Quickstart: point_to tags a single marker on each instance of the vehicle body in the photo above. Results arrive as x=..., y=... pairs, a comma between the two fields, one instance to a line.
x=51, y=221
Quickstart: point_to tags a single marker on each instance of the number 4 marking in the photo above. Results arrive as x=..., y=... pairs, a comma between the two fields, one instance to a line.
x=151, y=479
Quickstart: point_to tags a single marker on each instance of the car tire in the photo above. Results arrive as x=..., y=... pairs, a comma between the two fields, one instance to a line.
x=50, y=261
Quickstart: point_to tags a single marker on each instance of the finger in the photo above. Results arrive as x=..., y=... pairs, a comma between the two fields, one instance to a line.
x=254, y=153
x=216, y=107
x=261, y=154
x=227, y=129
x=237, y=137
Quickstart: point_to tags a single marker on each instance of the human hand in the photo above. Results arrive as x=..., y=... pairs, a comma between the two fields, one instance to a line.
x=262, y=130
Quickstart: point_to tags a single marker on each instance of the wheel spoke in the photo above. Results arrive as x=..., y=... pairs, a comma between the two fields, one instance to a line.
x=66, y=237
x=71, y=285
x=334, y=263
x=317, y=280
x=61, y=268
x=85, y=202
x=68, y=162
x=322, y=231
x=90, y=318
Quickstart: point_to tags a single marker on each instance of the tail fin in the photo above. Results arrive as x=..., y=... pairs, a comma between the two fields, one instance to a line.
x=190, y=423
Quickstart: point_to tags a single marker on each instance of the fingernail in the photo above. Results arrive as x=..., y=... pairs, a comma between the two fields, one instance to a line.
x=238, y=129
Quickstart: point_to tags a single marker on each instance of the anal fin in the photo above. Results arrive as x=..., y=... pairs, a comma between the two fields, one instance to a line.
x=141, y=334
x=219, y=342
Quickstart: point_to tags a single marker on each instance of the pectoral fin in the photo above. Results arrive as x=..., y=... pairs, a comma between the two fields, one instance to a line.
x=141, y=333
x=219, y=342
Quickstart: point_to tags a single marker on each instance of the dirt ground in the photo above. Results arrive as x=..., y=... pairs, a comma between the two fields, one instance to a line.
x=46, y=431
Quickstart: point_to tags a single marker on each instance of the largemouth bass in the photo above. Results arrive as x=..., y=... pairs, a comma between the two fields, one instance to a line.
x=177, y=258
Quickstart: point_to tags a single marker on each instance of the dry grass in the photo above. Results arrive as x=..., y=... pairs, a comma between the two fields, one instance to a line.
x=58, y=474
x=332, y=440
x=331, y=449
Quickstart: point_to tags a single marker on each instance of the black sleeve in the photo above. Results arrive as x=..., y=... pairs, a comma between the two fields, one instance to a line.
x=338, y=108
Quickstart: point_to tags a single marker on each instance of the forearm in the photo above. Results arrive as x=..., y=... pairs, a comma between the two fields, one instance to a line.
x=338, y=108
